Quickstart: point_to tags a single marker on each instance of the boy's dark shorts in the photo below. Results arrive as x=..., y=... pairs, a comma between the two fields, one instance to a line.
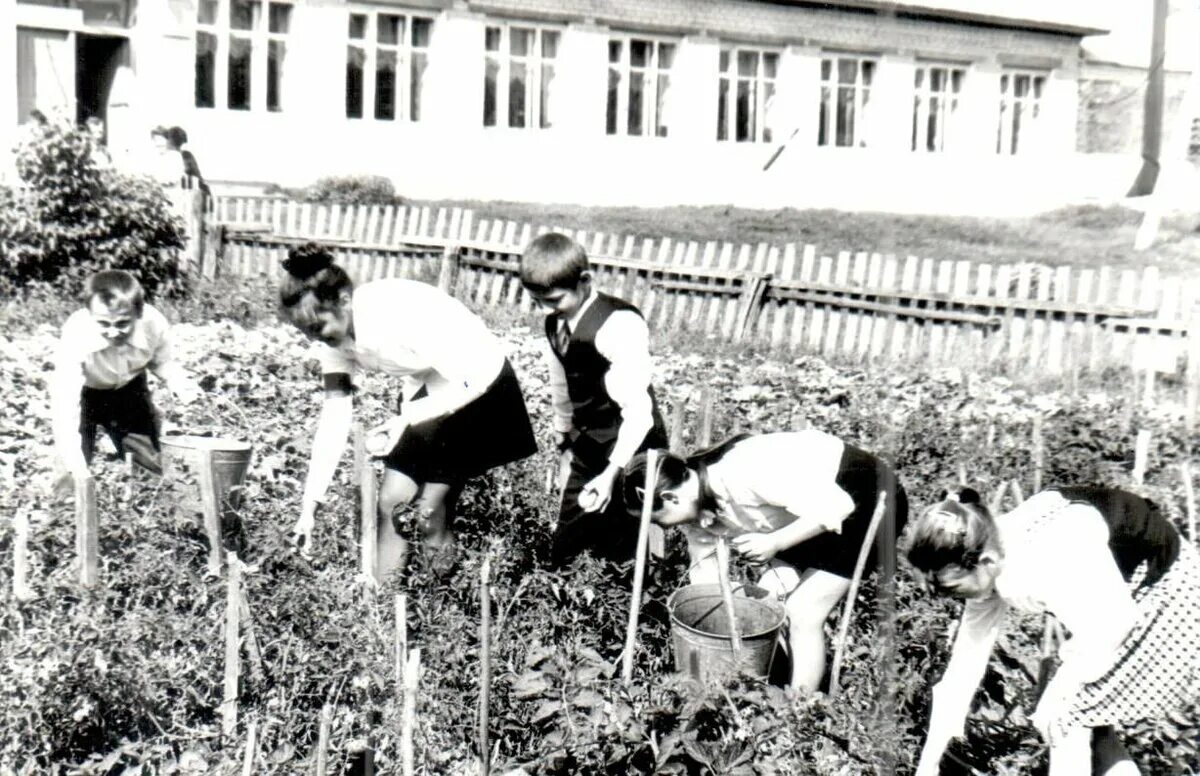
x=122, y=412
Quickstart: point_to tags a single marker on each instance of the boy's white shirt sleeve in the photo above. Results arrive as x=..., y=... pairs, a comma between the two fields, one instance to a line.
x=162, y=359
x=624, y=339
x=66, y=387
x=560, y=397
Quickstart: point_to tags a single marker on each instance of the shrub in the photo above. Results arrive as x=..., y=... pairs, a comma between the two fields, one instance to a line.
x=72, y=216
x=344, y=189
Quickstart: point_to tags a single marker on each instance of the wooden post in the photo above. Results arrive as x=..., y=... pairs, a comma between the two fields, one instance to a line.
x=211, y=506
x=412, y=673
x=214, y=250
x=232, y=647
x=859, y=566
x=485, y=664
x=251, y=746
x=675, y=437
x=370, y=524
x=87, y=530
x=704, y=438
x=639, y=565
x=1189, y=494
x=1039, y=447
x=1193, y=370
x=129, y=475
x=448, y=271
x=20, y=583
x=401, y=647
x=1141, y=452
x=323, y=742
x=735, y=637
x=1018, y=494
x=252, y=650
x=754, y=288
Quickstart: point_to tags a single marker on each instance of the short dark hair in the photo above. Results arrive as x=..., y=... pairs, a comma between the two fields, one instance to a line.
x=311, y=283
x=553, y=260
x=672, y=471
x=178, y=136
x=115, y=288
x=954, y=531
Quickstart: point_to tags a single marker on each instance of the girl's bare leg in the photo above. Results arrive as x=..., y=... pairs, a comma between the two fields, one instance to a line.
x=1109, y=755
x=808, y=608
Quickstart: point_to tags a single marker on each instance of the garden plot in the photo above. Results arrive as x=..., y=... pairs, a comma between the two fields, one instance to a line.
x=127, y=677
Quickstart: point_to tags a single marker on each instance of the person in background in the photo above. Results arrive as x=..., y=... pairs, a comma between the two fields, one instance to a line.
x=1112, y=569
x=798, y=502
x=604, y=409
x=461, y=411
x=100, y=155
x=99, y=378
x=178, y=138
x=165, y=164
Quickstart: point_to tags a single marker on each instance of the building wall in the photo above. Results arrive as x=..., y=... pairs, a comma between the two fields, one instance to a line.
x=450, y=154
x=1111, y=107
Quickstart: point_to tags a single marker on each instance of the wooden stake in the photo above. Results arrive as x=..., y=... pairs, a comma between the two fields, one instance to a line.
x=211, y=507
x=87, y=530
x=20, y=583
x=323, y=742
x=252, y=650
x=401, y=648
x=844, y=627
x=412, y=673
x=232, y=647
x=251, y=746
x=1141, y=451
x=996, y=505
x=370, y=524
x=1039, y=453
x=1189, y=493
x=485, y=664
x=1148, y=394
x=639, y=565
x=675, y=437
x=704, y=439
x=129, y=475
x=735, y=636
x=1018, y=494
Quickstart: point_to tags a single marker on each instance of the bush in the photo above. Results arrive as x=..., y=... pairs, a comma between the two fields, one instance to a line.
x=343, y=189
x=71, y=217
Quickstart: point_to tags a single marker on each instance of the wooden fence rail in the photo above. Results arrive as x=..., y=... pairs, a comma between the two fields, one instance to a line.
x=862, y=306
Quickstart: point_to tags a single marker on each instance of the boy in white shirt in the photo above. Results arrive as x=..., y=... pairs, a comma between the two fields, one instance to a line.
x=99, y=375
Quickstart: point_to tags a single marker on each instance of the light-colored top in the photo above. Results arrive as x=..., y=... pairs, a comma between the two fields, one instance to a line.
x=416, y=332
x=1056, y=559
x=766, y=482
x=85, y=358
x=624, y=340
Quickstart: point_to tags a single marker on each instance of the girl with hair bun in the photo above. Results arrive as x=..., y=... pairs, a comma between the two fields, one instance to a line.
x=800, y=502
x=461, y=410
x=1112, y=569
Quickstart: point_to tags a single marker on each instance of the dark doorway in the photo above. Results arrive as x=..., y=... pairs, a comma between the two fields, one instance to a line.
x=96, y=60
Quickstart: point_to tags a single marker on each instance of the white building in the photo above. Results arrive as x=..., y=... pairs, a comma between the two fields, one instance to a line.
x=941, y=104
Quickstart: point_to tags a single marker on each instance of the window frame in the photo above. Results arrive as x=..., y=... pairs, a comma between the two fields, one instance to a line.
x=654, y=110
x=405, y=52
x=949, y=102
x=728, y=81
x=831, y=85
x=260, y=39
x=537, y=93
x=1012, y=124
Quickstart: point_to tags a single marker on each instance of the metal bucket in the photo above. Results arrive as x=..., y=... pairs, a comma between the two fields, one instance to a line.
x=700, y=631
x=230, y=460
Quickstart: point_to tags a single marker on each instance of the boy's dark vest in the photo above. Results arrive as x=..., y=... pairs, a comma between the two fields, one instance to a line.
x=1137, y=530
x=595, y=415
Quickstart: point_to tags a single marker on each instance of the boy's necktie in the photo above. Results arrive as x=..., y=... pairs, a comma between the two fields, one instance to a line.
x=563, y=337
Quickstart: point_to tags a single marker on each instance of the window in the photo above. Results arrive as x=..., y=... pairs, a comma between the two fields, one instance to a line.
x=745, y=93
x=936, y=91
x=1020, y=104
x=386, y=59
x=639, y=77
x=518, y=74
x=845, y=95
x=241, y=47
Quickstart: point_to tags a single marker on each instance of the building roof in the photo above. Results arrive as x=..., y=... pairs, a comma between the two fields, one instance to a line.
x=1072, y=17
x=1128, y=44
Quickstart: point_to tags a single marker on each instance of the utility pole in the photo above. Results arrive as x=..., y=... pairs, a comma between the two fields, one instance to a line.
x=1152, y=121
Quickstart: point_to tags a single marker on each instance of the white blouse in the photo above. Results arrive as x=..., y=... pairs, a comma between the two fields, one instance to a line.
x=1057, y=560
x=418, y=333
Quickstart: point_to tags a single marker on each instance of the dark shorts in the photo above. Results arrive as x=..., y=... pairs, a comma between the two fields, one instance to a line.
x=863, y=476
x=120, y=412
x=490, y=431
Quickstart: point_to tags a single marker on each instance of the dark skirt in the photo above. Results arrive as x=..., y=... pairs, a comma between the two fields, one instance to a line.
x=862, y=475
x=490, y=431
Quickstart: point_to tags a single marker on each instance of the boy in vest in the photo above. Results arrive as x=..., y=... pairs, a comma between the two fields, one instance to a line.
x=603, y=407
x=99, y=375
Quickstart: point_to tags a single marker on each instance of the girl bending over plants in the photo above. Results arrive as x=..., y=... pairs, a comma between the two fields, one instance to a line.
x=799, y=502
